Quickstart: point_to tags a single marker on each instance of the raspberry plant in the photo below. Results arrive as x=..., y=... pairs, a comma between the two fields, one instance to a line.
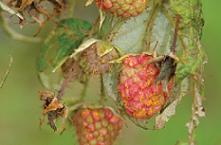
x=146, y=55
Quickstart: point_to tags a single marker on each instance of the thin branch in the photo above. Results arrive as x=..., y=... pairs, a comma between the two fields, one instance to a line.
x=170, y=20
x=173, y=47
x=197, y=112
x=71, y=7
x=10, y=11
x=7, y=72
x=149, y=26
x=15, y=35
x=102, y=92
x=84, y=91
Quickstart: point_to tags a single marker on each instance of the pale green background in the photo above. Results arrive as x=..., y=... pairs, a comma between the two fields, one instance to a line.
x=20, y=105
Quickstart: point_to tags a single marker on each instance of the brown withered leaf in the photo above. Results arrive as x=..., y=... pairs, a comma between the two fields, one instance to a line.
x=53, y=109
x=22, y=4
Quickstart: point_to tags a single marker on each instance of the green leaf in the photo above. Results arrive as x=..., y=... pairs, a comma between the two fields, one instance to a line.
x=131, y=37
x=61, y=42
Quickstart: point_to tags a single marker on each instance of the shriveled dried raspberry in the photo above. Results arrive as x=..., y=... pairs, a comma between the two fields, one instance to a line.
x=97, y=126
x=141, y=95
x=71, y=69
x=38, y=9
x=123, y=8
x=92, y=63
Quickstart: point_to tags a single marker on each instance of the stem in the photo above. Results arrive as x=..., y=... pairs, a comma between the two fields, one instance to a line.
x=10, y=11
x=149, y=27
x=173, y=47
x=102, y=93
x=115, y=29
x=7, y=72
x=197, y=112
x=166, y=14
x=192, y=126
x=71, y=7
x=94, y=28
x=15, y=35
x=84, y=91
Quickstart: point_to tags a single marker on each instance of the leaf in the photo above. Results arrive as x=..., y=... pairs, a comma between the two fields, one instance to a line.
x=61, y=42
x=165, y=116
x=191, y=55
x=131, y=36
x=87, y=43
x=170, y=110
x=110, y=81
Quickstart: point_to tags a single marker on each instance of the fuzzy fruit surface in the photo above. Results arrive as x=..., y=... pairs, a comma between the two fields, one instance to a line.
x=97, y=126
x=92, y=63
x=123, y=8
x=141, y=95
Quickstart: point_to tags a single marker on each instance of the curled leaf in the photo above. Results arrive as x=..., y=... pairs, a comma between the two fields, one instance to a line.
x=170, y=110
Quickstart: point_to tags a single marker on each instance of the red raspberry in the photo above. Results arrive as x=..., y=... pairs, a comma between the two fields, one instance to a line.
x=97, y=126
x=141, y=96
x=123, y=8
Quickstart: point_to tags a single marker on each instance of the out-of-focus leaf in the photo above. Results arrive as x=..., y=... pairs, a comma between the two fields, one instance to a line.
x=61, y=42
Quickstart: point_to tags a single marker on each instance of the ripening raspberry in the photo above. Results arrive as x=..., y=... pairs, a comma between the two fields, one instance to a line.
x=122, y=8
x=97, y=126
x=141, y=95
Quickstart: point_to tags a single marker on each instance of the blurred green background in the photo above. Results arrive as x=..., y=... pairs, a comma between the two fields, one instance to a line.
x=20, y=106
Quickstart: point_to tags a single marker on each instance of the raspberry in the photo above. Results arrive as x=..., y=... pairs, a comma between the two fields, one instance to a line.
x=92, y=63
x=97, y=126
x=141, y=96
x=71, y=69
x=123, y=8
